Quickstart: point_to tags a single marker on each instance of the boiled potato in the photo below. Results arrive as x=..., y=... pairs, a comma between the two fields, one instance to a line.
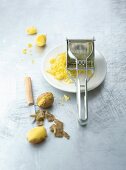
x=45, y=100
x=37, y=134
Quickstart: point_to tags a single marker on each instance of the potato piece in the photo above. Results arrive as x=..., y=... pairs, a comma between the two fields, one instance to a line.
x=45, y=100
x=29, y=45
x=24, y=51
x=66, y=98
x=41, y=40
x=37, y=135
x=31, y=30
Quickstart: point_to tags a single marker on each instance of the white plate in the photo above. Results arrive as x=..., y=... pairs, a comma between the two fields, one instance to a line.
x=95, y=81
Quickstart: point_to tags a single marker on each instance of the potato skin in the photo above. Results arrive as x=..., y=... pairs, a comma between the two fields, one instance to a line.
x=45, y=100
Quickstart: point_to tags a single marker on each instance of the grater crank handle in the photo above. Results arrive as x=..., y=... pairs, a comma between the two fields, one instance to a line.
x=82, y=110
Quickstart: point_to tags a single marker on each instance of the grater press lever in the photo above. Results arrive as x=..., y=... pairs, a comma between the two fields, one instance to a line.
x=82, y=102
x=80, y=60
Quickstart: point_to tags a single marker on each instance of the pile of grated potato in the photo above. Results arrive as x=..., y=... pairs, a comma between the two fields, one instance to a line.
x=58, y=69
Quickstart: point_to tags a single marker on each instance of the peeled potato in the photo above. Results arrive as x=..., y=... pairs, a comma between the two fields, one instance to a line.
x=37, y=134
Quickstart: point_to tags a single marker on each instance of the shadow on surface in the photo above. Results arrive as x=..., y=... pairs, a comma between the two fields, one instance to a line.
x=94, y=93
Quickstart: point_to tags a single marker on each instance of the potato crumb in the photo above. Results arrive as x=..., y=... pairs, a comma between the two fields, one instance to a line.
x=29, y=45
x=24, y=51
x=33, y=61
x=31, y=30
x=66, y=98
x=52, y=60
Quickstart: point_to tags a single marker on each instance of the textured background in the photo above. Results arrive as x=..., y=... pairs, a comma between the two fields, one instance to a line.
x=102, y=144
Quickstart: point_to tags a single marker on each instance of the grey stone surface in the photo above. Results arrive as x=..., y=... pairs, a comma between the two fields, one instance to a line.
x=102, y=144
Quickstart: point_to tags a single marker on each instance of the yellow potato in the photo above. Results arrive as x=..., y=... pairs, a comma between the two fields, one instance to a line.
x=37, y=134
x=41, y=40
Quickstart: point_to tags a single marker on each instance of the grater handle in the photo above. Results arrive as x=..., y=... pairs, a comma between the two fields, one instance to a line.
x=82, y=110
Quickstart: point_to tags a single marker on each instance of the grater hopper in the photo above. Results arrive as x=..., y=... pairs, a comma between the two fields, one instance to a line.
x=80, y=60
